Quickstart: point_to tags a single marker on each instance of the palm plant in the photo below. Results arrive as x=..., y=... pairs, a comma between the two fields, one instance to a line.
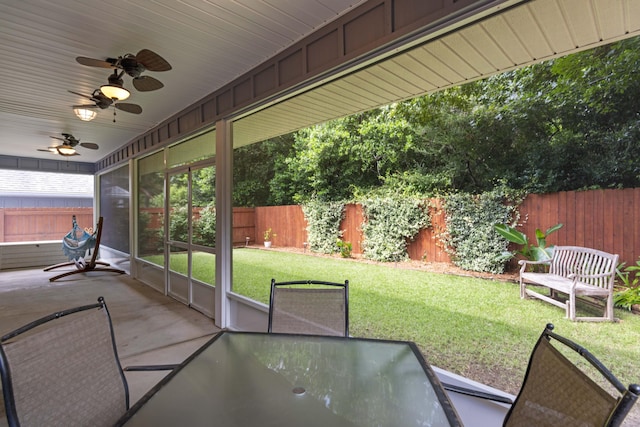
x=538, y=252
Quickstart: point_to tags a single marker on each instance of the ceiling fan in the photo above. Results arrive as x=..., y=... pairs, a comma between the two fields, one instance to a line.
x=68, y=146
x=134, y=66
x=103, y=102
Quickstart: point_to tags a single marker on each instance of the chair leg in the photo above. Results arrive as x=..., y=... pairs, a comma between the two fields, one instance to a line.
x=609, y=309
x=86, y=270
x=572, y=307
x=62, y=264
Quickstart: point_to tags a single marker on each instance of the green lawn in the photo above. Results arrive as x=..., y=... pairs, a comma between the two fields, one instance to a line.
x=474, y=327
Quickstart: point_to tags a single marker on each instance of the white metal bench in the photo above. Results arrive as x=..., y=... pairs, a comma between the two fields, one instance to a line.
x=574, y=271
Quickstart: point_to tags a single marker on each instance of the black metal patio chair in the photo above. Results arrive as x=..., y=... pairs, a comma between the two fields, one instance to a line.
x=557, y=392
x=311, y=307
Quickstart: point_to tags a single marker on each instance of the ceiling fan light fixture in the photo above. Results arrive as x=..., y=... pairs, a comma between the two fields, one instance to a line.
x=115, y=92
x=85, y=114
x=66, y=150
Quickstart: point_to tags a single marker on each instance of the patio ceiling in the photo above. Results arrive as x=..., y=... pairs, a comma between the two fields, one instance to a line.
x=208, y=43
x=211, y=43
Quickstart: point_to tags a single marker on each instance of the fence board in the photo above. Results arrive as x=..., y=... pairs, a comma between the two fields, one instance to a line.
x=598, y=219
x=244, y=225
x=351, y=227
x=609, y=226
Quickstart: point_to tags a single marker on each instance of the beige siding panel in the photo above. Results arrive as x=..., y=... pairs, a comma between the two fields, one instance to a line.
x=411, y=70
x=536, y=43
x=549, y=17
x=510, y=43
x=30, y=254
x=581, y=21
x=440, y=49
x=464, y=45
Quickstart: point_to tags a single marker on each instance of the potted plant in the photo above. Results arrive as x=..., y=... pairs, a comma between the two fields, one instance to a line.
x=267, y=238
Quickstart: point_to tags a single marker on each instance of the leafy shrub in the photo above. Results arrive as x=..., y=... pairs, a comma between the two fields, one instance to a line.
x=204, y=230
x=630, y=279
x=323, y=224
x=151, y=239
x=178, y=224
x=470, y=237
x=390, y=222
x=344, y=248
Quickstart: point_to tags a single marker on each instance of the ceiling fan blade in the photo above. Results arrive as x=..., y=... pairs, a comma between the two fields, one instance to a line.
x=152, y=61
x=90, y=62
x=79, y=94
x=129, y=108
x=57, y=137
x=147, y=83
x=48, y=150
x=84, y=106
x=89, y=145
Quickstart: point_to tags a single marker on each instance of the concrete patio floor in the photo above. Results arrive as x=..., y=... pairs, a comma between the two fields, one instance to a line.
x=150, y=328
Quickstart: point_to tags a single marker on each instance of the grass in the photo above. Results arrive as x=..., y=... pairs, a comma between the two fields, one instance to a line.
x=475, y=327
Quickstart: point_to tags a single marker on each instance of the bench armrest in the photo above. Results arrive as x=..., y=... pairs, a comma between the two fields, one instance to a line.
x=524, y=263
x=577, y=276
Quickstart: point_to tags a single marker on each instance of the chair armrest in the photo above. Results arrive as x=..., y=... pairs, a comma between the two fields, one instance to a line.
x=476, y=393
x=150, y=368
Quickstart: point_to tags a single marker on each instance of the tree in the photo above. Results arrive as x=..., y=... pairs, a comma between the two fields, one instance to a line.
x=254, y=167
x=564, y=124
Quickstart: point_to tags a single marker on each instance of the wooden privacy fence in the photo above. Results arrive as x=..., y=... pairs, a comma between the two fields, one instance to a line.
x=608, y=220
x=289, y=226
x=38, y=224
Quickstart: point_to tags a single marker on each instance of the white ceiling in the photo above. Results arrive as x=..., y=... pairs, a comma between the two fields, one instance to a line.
x=209, y=43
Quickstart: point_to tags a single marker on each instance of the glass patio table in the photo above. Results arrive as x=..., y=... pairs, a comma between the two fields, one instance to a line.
x=250, y=379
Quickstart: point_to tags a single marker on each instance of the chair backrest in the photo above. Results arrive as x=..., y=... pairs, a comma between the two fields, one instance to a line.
x=63, y=369
x=309, y=307
x=556, y=392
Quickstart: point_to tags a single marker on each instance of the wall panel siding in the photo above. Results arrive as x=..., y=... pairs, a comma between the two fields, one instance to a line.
x=31, y=254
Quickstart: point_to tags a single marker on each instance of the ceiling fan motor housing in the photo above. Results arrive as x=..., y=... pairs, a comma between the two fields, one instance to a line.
x=131, y=66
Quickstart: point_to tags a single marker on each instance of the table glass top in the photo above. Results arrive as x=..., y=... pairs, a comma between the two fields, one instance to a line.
x=247, y=379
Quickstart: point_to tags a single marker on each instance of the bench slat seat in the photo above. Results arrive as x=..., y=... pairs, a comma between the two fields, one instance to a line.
x=575, y=271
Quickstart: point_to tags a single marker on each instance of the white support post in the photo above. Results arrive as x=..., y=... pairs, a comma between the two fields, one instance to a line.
x=224, y=221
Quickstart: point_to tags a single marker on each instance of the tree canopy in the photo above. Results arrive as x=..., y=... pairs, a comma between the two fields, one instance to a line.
x=564, y=124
